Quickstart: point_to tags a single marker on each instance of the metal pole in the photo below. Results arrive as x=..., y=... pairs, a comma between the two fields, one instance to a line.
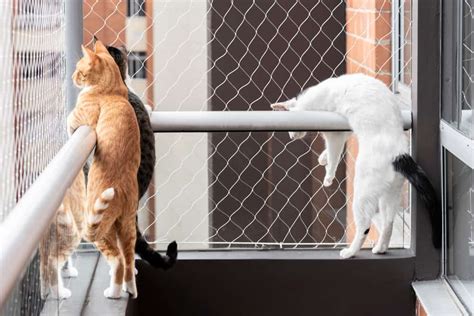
x=235, y=121
x=30, y=218
x=74, y=39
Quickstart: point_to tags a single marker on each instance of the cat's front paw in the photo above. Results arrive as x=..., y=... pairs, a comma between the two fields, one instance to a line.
x=328, y=181
x=346, y=253
x=323, y=158
x=70, y=272
x=113, y=291
x=60, y=293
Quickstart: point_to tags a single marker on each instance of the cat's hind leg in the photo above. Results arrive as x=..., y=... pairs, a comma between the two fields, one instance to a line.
x=389, y=207
x=363, y=208
x=57, y=289
x=108, y=246
x=69, y=271
x=127, y=238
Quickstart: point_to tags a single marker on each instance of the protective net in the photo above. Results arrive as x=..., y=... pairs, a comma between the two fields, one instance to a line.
x=252, y=189
x=32, y=113
x=467, y=70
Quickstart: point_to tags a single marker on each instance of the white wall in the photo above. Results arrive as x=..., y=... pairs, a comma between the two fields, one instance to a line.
x=180, y=70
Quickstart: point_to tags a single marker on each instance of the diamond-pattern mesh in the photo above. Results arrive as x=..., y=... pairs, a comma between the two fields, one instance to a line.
x=250, y=189
x=32, y=113
x=467, y=95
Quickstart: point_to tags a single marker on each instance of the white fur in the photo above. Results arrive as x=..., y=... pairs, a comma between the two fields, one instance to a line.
x=59, y=291
x=375, y=118
x=131, y=288
x=101, y=204
x=69, y=271
x=108, y=194
x=114, y=290
x=94, y=219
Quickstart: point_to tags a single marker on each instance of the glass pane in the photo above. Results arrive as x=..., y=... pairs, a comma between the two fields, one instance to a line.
x=460, y=232
x=467, y=95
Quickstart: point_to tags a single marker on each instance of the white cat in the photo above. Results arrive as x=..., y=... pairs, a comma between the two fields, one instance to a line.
x=383, y=160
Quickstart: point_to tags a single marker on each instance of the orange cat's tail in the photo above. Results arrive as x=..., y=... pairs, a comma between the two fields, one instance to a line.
x=94, y=219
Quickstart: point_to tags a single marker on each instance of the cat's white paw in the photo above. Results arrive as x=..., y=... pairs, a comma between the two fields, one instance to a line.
x=113, y=291
x=59, y=293
x=323, y=159
x=70, y=272
x=379, y=249
x=328, y=181
x=346, y=253
x=131, y=288
x=135, y=270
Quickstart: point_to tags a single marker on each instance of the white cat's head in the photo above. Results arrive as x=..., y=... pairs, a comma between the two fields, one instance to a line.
x=289, y=105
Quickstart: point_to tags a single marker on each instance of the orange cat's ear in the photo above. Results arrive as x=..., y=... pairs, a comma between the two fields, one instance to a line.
x=88, y=53
x=99, y=47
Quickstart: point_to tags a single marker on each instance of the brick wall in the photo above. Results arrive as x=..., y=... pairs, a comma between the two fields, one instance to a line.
x=368, y=40
x=106, y=20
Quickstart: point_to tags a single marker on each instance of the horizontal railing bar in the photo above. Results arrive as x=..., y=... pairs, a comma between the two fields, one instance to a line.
x=31, y=217
x=25, y=225
x=249, y=121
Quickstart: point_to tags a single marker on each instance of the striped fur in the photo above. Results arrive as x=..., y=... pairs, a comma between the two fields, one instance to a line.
x=104, y=106
x=147, y=166
x=61, y=239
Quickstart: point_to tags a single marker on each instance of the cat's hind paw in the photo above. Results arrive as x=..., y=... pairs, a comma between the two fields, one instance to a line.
x=113, y=292
x=346, y=253
x=70, y=272
x=131, y=288
x=379, y=249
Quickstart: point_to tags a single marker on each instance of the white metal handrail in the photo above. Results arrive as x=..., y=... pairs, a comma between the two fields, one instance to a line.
x=22, y=230
x=235, y=121
x=30, y=218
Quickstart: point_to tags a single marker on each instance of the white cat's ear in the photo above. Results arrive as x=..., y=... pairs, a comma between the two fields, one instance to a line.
x=279, y=107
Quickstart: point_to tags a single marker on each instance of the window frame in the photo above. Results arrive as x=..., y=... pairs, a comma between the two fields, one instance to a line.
x=137, y=59
x=452, y=140
x=135, y=8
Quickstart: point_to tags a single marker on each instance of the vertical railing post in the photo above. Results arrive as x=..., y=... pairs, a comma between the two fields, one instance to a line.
x=73, y=47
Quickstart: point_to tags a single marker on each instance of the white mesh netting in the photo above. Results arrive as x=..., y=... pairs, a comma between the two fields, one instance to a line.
x=32, y=112
x=250, y=189
x=467, y=72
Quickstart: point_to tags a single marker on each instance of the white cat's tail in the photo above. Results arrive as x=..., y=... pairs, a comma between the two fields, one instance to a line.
x=405, y=165
x=95, y=216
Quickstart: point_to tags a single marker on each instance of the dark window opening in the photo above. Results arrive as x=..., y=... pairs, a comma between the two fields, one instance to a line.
x=137, y=65
x=136, y=8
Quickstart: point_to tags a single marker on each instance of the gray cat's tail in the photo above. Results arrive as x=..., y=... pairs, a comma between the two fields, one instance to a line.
x=405, y=165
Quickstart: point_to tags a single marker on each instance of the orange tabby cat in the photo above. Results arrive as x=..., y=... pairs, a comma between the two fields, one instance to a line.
x=112, y=189
x=61, y=240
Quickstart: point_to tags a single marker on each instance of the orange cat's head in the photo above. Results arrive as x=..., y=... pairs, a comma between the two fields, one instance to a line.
x=96, y=68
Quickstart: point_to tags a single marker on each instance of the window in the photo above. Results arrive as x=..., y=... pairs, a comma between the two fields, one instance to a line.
x=458, y=66
x=135, y=8
x=467, y=69
x=137, y=65
x=401, y=49
x=457, y=145
x=459, y=250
